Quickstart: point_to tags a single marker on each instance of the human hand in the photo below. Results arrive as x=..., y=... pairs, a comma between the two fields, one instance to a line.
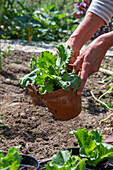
x=89, y=61
x=71, y=42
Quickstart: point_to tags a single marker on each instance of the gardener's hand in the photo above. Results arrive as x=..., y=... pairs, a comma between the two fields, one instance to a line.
x=73, y=47
x=89, y=61
x=72, y=44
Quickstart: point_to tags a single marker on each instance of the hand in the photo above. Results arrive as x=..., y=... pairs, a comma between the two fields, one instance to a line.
x=89, y=61
x=75, y=52
x=71, y=43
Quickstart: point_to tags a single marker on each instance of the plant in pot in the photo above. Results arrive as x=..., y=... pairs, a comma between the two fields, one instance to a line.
x=13, y=160
x=53, y=84
x=92, y=153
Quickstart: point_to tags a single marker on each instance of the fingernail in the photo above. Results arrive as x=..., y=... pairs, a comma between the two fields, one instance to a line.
x=78, y=93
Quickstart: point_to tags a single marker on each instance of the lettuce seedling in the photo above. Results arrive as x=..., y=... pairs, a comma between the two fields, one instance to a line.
x=92, y=151
x=92, y=147
x=12, y=159
x=50, y=72
x=64, y=160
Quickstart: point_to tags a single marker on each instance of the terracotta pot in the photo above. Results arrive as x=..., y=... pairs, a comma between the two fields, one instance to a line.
x=64, y=105
x=34, y=95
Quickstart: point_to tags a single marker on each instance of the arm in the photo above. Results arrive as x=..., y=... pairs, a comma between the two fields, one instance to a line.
x=90, y=24
x=99, y=13
x=90, y=59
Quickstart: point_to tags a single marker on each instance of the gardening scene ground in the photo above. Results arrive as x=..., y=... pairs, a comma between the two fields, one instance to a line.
x=38, y=132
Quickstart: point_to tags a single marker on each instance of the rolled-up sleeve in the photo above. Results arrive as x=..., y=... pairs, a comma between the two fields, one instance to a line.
x=102, y=8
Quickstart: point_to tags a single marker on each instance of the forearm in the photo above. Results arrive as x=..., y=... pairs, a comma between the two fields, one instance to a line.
x=86, y=29
x=102, y=8
x=107, y=40
x=90, y=59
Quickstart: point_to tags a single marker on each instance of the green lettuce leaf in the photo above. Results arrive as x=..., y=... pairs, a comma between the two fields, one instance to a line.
x=70, y=80
x=29, y=78
x=105, y=151
x=12, y=159
x=33, y=63
x=91, y=146
x=63, y=56
x=47, y=62
x=64, y=160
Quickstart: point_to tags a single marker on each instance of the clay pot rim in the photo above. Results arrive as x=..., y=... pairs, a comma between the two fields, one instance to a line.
x=55, y=91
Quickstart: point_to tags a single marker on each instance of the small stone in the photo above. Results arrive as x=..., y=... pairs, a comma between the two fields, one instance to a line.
x=32, y=118
x=16, y=115
x=23, y=115
x=27, y=110
x=8, y=80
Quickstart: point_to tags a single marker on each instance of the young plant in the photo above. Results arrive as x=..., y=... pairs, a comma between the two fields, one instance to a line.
x=92, y=151
x=6, y=54
x=64, y=160
x=50, y=72
x=92, y=147
x=11, y=160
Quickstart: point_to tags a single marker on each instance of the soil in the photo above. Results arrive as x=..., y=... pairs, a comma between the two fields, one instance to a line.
x=35, y=128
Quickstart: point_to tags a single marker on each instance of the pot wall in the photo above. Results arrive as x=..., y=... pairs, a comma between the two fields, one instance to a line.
x=64, y=105
x=34, y=95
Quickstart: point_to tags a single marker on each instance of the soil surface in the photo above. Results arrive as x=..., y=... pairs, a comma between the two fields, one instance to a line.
x=35, y=128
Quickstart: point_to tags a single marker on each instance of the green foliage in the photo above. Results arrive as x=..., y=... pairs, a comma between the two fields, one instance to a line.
x=1, y=8
x=19, y=21
x=11, y=161
x=5, y=54
x=64, y=6
x=50, y=71
x=91, y=146
x=92, y=151
x=65, y=161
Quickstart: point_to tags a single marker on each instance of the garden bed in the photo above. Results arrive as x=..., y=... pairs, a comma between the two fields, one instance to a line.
x=35, y=128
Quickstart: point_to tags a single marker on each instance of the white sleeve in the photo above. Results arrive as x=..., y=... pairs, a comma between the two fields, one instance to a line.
x=102, y=8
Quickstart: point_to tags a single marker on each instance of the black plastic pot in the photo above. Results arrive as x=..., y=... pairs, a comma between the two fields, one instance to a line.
x=29, y=162
x=75, y=151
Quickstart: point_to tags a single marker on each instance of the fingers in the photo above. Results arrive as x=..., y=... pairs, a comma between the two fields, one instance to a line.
x=77, y=65
x=84, y=77
x=84, y=74
x=72, y=60
x=82, y=67
x=74, y=56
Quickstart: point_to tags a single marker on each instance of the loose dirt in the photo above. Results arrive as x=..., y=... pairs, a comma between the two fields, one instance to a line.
x=35, y=128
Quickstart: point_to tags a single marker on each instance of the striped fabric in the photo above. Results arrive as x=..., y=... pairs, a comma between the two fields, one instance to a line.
x=102, y=8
